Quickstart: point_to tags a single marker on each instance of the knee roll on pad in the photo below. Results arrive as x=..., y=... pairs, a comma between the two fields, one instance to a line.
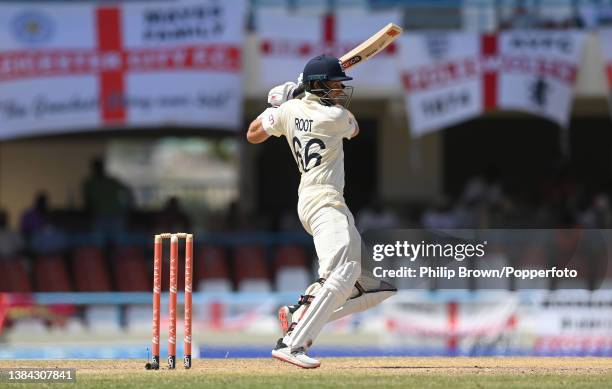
x=314, y=287
x=342, y=279
x=361, y=303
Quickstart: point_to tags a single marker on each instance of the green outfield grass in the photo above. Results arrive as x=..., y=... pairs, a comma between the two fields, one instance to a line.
x=448, y=373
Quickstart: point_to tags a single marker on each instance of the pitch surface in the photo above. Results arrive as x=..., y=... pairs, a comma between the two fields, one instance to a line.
x=500, y=372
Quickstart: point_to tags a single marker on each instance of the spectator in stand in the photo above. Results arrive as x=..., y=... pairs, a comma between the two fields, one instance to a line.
x=522, y=17
x=598, y=215
x=107, y=200
x=480, y=194
x=240, y=220
x=35, y=218
x=38, y=230
x=11, y=242
x=439, y=215
x=172, y=218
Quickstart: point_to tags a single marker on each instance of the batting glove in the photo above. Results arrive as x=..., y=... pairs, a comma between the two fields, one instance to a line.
x=281, y=93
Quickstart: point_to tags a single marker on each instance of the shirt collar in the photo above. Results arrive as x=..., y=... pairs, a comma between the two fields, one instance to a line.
x=312, y=97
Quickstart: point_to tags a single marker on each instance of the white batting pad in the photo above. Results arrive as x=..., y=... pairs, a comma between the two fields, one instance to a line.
x=336, y=289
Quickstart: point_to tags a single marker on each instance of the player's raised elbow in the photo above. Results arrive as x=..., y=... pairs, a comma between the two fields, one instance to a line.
x=256, y=133
x=253, y=138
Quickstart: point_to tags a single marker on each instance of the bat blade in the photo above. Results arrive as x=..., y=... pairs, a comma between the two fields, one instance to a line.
x=366, y=50
x=372, y=46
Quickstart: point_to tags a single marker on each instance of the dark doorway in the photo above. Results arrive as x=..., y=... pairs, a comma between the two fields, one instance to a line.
x=525, y=152
x=591, y=152
x=520, y=152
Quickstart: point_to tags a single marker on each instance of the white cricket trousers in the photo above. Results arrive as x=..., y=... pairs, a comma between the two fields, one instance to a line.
x=325, y=216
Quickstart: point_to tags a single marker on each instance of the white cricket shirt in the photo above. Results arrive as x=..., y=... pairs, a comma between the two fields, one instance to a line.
x=314, y=133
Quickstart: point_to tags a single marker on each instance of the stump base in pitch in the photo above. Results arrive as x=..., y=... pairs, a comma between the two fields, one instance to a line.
x=154, y=364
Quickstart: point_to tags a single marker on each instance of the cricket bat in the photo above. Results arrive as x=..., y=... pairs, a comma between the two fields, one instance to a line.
x=366, y=50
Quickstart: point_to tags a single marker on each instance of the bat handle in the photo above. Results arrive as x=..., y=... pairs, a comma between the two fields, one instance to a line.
x=298, y=91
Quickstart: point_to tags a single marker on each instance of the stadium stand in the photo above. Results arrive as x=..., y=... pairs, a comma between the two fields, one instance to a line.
x=251, y=270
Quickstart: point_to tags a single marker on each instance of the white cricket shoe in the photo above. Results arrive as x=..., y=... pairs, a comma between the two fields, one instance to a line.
x=296, y=357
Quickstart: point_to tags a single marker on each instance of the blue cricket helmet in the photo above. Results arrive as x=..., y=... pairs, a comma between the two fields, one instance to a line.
x=324, y=68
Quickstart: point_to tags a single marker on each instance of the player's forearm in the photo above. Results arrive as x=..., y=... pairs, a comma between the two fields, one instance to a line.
x=256, y=133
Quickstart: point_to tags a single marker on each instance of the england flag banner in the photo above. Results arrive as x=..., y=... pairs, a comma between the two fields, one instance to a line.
x=451, y=77
x=85, y=66
x=443, y=79
x=288, y=39
x=605, y=39
x=538, y=71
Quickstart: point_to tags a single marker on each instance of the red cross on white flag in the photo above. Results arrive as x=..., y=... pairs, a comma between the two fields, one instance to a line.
x=112, y=86
x=451, y=77
x=489, y=54
x=444, y=79
x=289, y=39
x=136, y=64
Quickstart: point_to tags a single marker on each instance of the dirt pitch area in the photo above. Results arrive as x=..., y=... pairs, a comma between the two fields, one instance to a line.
x=445, y=373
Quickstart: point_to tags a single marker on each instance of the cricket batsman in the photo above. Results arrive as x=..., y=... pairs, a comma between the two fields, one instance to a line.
x=315, y=127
